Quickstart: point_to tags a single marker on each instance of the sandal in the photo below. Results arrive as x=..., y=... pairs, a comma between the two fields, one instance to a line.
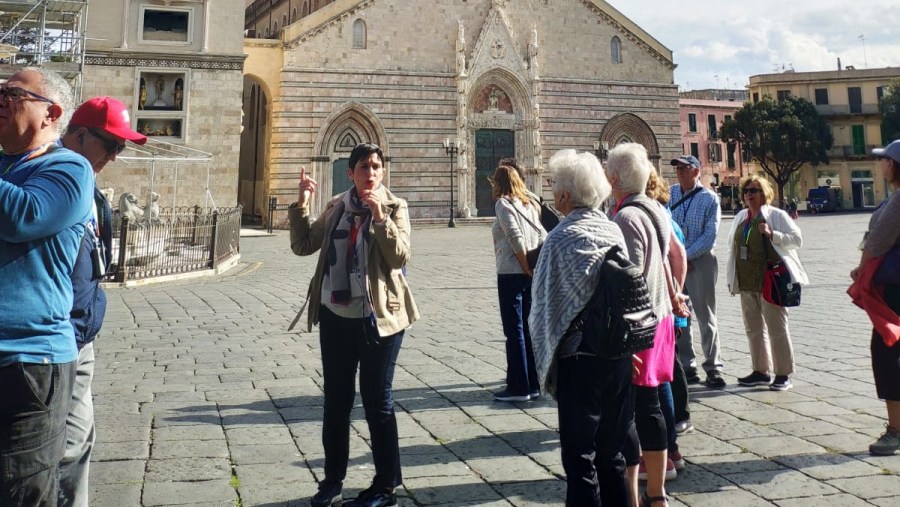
x=648, y=501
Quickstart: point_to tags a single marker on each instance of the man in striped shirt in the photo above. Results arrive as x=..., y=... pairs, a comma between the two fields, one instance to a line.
x=696, y=209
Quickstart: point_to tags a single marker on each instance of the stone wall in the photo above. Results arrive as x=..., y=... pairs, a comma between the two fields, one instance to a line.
x=213, y=125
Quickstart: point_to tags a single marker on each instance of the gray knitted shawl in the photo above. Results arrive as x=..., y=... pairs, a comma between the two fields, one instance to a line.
x=565, y=278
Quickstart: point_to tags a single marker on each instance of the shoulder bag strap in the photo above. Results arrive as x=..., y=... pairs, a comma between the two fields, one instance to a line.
x=685, y=197
x=669, y=277
x=532, y=224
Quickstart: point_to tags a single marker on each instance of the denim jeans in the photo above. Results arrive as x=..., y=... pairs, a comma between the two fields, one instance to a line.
x=80, y=436
x=345, y=344
x=595, y=412
x=680, y=393
x=667, y=404
x=514, y=293
x=33, y=431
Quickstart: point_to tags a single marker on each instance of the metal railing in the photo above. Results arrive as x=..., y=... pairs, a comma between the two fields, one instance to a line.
x=178, y=240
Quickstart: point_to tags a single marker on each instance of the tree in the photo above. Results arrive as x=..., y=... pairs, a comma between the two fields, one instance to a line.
x=889, y=105
x=781, y=135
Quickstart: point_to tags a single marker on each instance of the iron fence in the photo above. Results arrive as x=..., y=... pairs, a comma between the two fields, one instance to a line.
x=178, y=240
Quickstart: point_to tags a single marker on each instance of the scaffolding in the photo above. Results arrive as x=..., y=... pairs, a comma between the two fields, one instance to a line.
x=161, y=155
x=44, y=33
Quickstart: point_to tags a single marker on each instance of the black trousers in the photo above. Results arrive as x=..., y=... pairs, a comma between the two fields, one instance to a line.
x=345, y=344
x=680, y=392
x=595, y=412
x=33, y=431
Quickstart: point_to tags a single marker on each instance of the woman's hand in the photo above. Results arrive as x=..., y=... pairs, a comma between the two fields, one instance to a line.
x=372, y=199
x=680, y=306
x=635, y=366
x=854, y=274
x=308, y=187
x=765, y=230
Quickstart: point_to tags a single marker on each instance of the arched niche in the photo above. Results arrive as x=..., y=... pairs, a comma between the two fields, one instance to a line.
x=628, y=127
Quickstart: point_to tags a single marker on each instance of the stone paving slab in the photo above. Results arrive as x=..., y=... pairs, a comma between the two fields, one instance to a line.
x=203, y=398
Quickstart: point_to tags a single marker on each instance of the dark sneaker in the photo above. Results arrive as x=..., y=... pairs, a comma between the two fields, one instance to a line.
x=690, y=375
x=506, y=395
x=682, y=427
x=888, y=444
x=755, y=379
x=329, y=494
x=714, y=379
x=782, y=383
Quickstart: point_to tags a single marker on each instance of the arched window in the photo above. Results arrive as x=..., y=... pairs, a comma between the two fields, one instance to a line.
x=294, y=15
x=305, y=11
x=359, y=34
x=315, y=5
x=274, y=28
x=284, y=20
x=615, y=49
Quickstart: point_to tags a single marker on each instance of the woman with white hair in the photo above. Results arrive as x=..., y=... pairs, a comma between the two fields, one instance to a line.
x=646, y=229
x=593, y=393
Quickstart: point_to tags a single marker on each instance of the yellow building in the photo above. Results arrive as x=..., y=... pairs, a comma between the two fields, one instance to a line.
x=848, y=100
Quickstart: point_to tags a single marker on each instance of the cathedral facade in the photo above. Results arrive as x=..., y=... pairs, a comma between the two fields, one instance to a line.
x=495, y=78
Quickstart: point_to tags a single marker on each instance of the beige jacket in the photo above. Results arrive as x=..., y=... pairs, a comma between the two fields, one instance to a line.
x=391, y=298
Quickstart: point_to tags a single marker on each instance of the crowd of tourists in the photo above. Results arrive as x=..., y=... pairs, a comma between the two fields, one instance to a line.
x=619, y=417
x=619, y=414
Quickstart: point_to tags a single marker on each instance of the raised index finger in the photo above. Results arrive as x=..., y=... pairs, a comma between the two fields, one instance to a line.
x=302, y=173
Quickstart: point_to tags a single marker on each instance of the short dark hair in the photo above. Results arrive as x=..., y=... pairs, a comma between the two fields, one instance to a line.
x=364, y=150
x=512, y=162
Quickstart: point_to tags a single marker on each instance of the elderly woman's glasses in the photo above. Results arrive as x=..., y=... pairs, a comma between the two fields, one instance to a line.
x=751, y=190
x=14, y=93
x=550, y=182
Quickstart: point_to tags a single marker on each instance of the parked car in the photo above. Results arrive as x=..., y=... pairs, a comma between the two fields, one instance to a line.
x=824, y=199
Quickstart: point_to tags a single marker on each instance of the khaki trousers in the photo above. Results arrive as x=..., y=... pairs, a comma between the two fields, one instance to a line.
x=768, y=334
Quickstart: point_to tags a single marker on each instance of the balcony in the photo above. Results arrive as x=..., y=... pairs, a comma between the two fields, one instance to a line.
x=846, y=151
x=844, y=110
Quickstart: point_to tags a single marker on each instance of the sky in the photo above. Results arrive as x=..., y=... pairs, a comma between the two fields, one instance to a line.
x=721, y=43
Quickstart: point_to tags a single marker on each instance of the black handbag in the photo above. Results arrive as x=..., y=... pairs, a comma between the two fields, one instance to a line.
x=778, y=288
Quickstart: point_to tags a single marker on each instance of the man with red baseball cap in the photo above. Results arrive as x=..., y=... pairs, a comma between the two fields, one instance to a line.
x=98, y=131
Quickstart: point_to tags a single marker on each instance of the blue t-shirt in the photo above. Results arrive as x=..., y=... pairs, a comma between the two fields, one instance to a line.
x=44, y=203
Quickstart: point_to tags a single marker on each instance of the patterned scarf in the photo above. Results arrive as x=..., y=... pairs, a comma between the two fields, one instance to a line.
x=348, y=250
x=565, y=278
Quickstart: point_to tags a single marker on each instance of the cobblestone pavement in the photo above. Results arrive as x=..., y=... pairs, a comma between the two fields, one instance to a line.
x=203, y=398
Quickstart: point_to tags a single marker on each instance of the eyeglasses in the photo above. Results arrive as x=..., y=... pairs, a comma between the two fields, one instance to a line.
x=681, y=167
x=751, y=190
x=14, y=93
x=111, y=145
x=550, y=182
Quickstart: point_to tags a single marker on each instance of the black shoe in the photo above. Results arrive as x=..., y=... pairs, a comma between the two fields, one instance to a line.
x=373, y=497
x=690, y=375
x=782, y=383
x=506, y=395
x=329, y=494
x=755, y=379
x=714, y=380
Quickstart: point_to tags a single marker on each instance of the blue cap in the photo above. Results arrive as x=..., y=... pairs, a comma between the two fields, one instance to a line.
x=688, y=160
x=891, y=151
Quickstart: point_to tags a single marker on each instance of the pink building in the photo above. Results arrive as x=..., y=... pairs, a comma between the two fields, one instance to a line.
x=722, y=164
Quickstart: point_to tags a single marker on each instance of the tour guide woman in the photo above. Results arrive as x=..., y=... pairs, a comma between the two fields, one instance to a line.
x=362, y=303
x=760, y=233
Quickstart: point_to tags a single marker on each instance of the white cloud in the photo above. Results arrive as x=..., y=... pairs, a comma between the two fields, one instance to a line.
x=735, y=40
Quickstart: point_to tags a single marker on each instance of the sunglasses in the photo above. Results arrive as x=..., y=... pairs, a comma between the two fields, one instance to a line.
x=14, y=93
x=111, y=145
x=752, y=191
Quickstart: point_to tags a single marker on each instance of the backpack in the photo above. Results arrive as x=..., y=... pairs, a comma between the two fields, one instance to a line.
x=618, y=321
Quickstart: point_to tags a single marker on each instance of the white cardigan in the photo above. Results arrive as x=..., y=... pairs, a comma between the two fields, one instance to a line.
x=786, y=239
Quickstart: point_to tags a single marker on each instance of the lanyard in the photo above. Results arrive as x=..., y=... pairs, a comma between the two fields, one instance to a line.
x=687, y=206
x=748, y=227
x=37, y=152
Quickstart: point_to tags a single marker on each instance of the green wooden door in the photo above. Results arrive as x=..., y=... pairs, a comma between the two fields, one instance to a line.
x=340, y=182
x=490, y=146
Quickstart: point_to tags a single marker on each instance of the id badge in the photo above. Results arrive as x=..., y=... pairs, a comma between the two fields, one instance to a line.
x=745, y=254
x=356, y=284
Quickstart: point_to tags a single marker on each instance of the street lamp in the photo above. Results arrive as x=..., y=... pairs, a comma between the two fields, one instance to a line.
x=601, y=149
x=451, y=146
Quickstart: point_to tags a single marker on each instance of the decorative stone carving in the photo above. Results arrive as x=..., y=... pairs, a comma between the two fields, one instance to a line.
x=129, y=208
x=461, y=50
x=498, y=51
x=533, y=49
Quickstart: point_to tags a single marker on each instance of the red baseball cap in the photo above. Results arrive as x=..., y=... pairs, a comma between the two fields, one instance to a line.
x=108, y=114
